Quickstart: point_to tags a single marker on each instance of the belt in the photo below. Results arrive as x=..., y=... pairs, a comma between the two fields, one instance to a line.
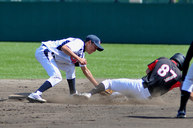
x=145, y=85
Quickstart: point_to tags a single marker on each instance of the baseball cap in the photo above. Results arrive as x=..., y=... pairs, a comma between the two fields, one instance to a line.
x=96, y=41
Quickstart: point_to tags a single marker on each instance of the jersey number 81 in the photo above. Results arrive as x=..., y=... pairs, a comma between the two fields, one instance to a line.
x=163, y=70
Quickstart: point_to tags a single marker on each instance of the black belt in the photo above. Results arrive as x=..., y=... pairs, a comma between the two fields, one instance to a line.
x=145, y=85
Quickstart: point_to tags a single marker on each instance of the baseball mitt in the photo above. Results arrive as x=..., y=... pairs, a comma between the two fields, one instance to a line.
x=107, y=92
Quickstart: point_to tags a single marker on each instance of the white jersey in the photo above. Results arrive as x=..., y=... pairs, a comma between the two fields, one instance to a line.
x=76, y=45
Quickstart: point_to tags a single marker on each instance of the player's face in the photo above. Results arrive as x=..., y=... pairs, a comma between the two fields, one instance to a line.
x=91, y=47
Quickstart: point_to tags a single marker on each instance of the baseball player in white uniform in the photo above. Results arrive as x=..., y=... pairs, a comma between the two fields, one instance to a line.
x=187, y=87
x=64, y=55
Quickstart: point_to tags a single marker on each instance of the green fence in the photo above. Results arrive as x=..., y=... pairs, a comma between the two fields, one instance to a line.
x=103, y=1
x=113, y=23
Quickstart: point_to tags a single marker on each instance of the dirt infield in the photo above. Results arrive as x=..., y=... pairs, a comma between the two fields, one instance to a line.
x=64, y=111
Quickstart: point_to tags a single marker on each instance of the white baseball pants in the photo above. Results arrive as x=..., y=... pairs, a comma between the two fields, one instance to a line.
x=52, y=67
x=128, y=87
x=188, y=82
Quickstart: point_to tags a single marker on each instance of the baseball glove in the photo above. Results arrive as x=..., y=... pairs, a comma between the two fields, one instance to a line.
x=107, y=92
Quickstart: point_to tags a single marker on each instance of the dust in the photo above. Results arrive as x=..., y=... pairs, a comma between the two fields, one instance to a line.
x=98, y=111
x=101, y=99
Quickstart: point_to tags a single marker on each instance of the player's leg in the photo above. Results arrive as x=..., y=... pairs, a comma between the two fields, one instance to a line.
x=72, y=86
x=184, y=99
x=185, y=93
x=47, y=61
x=128, y=87
x=70, y=76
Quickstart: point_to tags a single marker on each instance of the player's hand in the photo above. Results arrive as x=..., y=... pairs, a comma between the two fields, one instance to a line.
x=82, y=61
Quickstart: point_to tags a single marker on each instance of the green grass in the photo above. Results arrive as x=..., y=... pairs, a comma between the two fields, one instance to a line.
x=18, y=61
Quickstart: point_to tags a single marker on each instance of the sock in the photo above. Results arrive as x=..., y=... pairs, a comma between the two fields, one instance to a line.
x=45, y=86
x=99, y=88
x=184, y=99
x=71, y=84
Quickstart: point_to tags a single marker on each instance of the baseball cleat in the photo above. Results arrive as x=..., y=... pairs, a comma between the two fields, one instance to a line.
x=35, y=98
x=2, y=99
x=181, y=114
x=74, y=94
x=86, y=95
x=83, y=95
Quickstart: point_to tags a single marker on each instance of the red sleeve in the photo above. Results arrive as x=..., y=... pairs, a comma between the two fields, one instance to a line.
x=177, y=84
x=152, y=65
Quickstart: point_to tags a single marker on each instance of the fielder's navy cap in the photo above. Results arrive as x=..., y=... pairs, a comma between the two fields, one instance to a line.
x=96, y=41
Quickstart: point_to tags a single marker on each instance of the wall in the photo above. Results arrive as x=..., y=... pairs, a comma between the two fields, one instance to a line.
x=112, y=22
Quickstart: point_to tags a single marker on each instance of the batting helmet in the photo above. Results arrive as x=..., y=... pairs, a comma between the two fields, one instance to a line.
x=179, y=58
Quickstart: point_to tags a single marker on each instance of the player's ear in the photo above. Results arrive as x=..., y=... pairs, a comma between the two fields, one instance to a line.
x=90, y=41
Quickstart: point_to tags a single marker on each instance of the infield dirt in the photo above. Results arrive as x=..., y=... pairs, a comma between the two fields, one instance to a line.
x=64, y=111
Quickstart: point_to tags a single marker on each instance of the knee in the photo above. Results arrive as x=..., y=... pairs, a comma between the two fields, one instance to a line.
x=55, y=80
x=58, y=78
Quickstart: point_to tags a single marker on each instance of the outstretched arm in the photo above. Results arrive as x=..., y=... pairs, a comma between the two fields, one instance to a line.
x=89, y=75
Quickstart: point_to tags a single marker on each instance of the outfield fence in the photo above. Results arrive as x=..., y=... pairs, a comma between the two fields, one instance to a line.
x=113, y=23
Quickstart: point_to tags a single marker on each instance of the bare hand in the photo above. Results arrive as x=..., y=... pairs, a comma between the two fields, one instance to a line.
x=82, y=61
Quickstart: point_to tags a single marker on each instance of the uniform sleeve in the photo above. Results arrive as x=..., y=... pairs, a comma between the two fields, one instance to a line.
x=75, y=45
x=152, y=65
x=187, y=61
